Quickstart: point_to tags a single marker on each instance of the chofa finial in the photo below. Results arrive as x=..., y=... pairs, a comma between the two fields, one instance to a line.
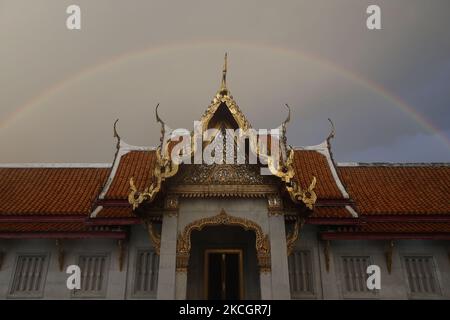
x=163, y=129
x=283, y=133
x=116, y=134
x=332, y=132
x=288, y=118
x=223, y=86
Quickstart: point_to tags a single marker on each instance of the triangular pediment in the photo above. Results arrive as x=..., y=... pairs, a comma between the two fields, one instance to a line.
x=215, y=112
x=223, y=101
x=215, y=180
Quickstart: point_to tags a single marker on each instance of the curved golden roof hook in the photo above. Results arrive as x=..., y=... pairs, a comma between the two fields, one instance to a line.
x=288, y=118
x=163, y=129
x=332, y=132
x=116, y=134
x=284, y=130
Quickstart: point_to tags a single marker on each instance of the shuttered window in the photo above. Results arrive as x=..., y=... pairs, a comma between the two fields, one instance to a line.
x=300, y=273
x=354, y=276
x=94, y=275
x=29, y=276
x=146, y=273
x=421, y=276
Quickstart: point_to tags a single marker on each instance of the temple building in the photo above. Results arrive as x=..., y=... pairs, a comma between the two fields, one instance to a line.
x=298, y=226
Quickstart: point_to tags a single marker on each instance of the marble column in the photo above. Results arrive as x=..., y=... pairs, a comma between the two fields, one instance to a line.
x=167, y=257
x=278, y=250
x=181, y=285
x=266, y=285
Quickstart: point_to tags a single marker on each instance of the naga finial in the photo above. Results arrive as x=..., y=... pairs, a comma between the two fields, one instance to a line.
x=163, y=130
x=288, y=118
x=332, y=132
x=284, y=131
x=116, y=134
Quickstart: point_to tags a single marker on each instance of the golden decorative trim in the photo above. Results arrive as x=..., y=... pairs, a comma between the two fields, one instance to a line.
x=155, y=237
x=61, y=254
x=182, y=262
x=224, y=96
x=326, y=252
x=286, y=173
x=121, y=256
x=389, y=254
x=184, y=238
x=164, y=169
x=294, y=235
x=274, y=205
x=242, y=191
x=171, y=202
x=232, y=106
x=284, y=169
x=308, y=196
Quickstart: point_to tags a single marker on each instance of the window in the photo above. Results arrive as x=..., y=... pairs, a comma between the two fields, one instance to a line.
x=354, y=277
x=94, y=271
x=300, y=274
x=421, y=276
x=29, y=276
x=146, y=273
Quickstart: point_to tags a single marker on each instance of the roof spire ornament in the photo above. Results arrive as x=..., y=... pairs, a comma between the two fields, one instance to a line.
x=116, y=134
x=332, y=132
x=223, y=87
x=284, y=147
x=163, y=129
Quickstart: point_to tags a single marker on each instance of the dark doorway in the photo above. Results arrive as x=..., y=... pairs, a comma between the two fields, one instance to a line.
x=212, y=241
x=224, y=274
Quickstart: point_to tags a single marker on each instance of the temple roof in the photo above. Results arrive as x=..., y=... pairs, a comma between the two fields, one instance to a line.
x=398, y=190
x=376, y=190
x=69, y=199
x=136, y=164
x=49, y=190
x=311, y=163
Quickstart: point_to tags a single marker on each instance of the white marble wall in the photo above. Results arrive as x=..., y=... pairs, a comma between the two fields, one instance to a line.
x=274, y=285
x=119, y=283
x=328, y=284
x=195, y=209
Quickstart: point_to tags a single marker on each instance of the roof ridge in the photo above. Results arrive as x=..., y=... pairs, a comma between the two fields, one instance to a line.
x=54, y=165
x=393, y=164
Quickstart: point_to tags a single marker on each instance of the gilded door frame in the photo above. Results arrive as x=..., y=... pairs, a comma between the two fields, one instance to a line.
x=184, y=239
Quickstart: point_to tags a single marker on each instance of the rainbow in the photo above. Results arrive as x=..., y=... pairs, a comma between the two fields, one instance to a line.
x=43, y=96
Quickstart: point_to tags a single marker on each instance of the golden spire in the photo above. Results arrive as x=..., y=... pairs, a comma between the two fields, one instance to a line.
x=223, y=87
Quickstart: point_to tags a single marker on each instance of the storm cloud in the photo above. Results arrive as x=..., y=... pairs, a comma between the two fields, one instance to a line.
x=387, y=90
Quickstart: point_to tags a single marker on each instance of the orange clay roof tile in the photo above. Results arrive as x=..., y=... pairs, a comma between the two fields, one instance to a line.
x=397, y=190
x=116, y=212
x=309, y=163
x=138, y=165
x=331, y=212
x=47, y=191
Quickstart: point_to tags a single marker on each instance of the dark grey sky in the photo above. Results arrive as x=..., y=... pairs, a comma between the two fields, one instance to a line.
x=387, y=91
